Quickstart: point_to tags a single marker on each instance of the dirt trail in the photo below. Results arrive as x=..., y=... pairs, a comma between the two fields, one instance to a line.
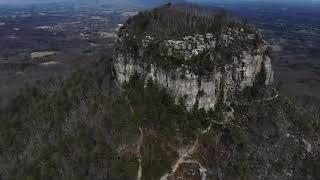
x=186, y=153
x=139, y=174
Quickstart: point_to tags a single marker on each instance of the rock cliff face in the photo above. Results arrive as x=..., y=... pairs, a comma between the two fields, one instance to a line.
x=201, y=57
x=202, y=88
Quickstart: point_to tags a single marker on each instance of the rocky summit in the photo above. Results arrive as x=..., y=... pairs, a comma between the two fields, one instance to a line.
x=201, y=68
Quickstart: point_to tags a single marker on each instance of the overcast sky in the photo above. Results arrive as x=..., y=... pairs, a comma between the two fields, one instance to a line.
x=43, y=1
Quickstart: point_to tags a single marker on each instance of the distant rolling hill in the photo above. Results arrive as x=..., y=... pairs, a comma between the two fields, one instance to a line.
x=111, y=2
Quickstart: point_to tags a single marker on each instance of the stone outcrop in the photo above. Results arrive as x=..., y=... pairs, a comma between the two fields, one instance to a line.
x=203, y=91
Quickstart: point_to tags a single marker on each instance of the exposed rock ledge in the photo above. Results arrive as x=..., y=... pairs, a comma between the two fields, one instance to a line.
x=201, y=91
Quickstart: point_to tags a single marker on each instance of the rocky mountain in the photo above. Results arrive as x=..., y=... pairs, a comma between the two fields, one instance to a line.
x=188, y=95
x=223, y=67
x=201, y=85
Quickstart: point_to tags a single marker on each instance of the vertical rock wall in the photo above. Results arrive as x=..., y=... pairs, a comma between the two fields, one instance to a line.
x=202, y=91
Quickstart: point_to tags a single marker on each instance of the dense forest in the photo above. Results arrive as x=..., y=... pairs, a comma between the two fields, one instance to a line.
x=86, y=127
x=176, y=21
x=71, y=128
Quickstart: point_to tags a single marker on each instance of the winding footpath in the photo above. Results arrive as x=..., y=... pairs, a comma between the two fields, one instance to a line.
x=184, y=154
x=139, y=174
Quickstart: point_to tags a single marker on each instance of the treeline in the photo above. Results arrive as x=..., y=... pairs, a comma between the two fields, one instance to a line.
x=178, y=21
x=68, y=129
x=73, y=128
